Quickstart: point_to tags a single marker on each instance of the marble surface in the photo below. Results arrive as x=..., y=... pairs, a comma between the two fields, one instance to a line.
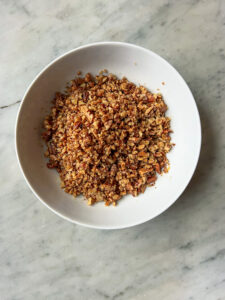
x=179, y=255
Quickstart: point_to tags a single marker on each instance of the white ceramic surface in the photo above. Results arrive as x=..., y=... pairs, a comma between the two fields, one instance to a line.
x=142, y=67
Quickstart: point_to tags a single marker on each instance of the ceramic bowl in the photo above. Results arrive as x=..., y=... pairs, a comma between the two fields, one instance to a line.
x=140, y=66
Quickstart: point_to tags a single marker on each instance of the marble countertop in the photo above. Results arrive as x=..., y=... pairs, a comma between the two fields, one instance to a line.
x=179, y=255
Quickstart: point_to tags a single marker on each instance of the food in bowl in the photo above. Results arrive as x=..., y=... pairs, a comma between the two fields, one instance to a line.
x=107, y=137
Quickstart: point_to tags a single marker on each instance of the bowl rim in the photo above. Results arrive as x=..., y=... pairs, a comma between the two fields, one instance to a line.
x=198, y=149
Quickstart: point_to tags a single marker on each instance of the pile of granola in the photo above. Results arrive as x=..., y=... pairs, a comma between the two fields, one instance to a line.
x=107, y=137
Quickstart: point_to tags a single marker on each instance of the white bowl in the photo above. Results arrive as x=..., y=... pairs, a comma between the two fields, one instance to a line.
x=142, y=67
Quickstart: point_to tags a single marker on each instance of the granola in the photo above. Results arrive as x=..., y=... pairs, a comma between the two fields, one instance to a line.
x=107, y=137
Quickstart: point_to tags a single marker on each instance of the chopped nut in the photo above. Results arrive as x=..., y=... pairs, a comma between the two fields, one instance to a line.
x=143, y=154
x=107, y=137
x=143, y=171
x=157, y=167
x=151, y=180
x=140, y=147
x=148, y=110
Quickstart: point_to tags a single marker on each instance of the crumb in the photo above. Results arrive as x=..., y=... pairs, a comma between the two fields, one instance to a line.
x=104, y=71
